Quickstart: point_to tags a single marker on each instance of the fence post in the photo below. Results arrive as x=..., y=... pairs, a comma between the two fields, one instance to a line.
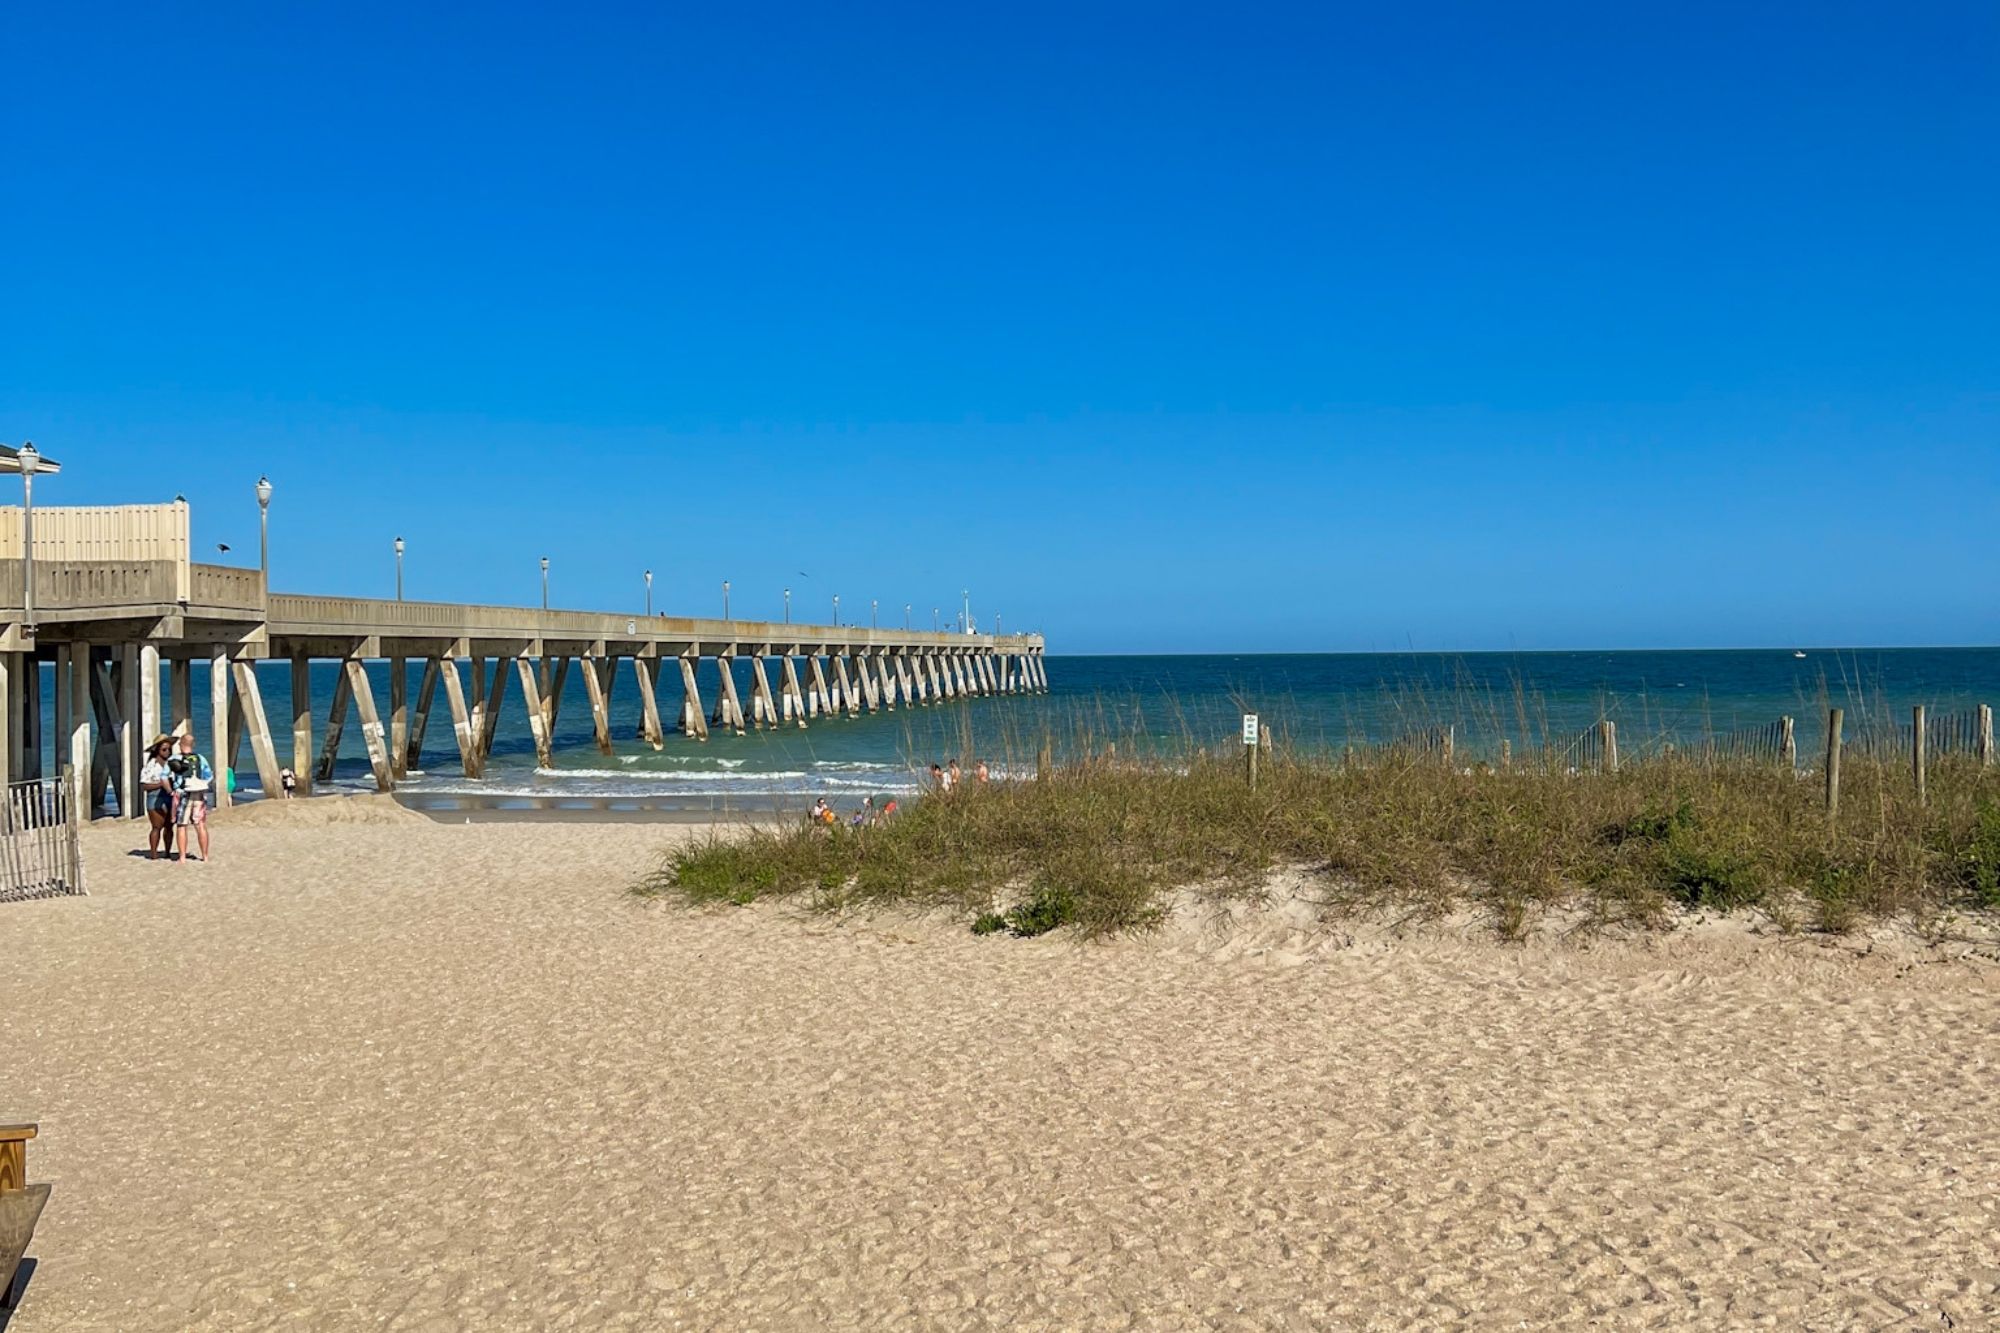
x=1833, y=720
x=1043, y=763
x=1506, y=754
x=1917, y=749
x=1984, y=742
x=1450, y=734
x=1607, y=735
x=1788, y=745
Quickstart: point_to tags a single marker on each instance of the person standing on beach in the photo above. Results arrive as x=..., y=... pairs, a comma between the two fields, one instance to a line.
x=953, y=777
x=157, y=781
x=194, y=777
x=939, y=781
x=980, y=775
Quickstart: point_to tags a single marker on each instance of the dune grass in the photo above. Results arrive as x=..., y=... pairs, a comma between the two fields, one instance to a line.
x=1097, y=846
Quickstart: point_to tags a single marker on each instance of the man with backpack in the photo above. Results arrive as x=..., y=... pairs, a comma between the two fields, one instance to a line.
x=193, y=780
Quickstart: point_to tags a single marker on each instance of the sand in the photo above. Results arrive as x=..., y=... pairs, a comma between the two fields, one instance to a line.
x=376, y=1071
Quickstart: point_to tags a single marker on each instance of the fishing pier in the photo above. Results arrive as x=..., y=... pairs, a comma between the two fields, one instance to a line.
x=111, y=597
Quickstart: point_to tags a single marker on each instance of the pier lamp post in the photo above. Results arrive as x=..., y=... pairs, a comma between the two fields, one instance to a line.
x=399, y=569
x=873, y=604
x=649, y=594
x=725, y=599
x=967, y=623
x=935, y=628
x=30, y=461
x=264, y=531
x=788, y=606
x=836, y=610
x=906, y=617
x=545, y=583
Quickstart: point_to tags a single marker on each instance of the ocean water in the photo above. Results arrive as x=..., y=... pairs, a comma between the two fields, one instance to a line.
x=1160, y=703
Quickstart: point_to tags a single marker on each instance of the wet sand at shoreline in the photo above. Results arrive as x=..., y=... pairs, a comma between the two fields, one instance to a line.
x=371, y=1070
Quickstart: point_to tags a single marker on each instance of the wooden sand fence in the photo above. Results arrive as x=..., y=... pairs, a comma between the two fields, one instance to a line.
x=1774, y=743
x=39, y=852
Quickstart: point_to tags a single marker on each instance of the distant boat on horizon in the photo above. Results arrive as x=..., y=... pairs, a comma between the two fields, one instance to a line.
x=1798, y=652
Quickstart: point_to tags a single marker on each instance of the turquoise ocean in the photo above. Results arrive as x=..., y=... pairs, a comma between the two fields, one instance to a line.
x=1324, y=701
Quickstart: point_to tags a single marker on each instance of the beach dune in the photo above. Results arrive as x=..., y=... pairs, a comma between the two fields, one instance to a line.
x=372, y=1071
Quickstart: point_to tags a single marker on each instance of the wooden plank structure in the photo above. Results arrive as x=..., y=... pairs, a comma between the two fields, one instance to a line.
x=21, y=1206
x=1766, y=743
x=111, y=611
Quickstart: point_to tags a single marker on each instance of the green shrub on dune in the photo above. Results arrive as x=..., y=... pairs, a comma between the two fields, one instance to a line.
x=1096, y=847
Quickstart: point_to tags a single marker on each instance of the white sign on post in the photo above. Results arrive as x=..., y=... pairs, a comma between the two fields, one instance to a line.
x=1249, y=728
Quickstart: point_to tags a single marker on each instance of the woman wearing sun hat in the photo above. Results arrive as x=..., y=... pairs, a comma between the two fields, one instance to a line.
x=158, y=782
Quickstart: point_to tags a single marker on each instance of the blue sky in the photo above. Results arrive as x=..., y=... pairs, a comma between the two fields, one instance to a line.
x=1159, y=328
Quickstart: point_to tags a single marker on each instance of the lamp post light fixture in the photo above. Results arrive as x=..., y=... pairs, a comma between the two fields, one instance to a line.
x=725, y=599
x=906, y=617
x=873, y=604
x=399, y=569
x=936, y=627
x=836, y=610
x=545, y=583
x=788, y=606
x=967, y=625
x=264, y=531
x=649, y=594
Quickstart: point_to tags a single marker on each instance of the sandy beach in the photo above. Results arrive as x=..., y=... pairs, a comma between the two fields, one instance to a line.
x=374, y=1070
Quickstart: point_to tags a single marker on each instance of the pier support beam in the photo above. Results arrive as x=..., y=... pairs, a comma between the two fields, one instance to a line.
x=262, y=752
x=552, y=690
x=132, y=735
x=763, y=710
x=218, y=704
x=237, y=731
x=599, y=677
x=795, y=702
x=820, y=701
x=693, y=722
x=336, y=722
x=728, y=704
x=538, y=711
x=882, y=669
x=463, y=728
x=399, y=716
x=10, y=725
x=871, y=695
x=845, y=685
x=302, y=722
x=31, y=740
x=180, y=688
x=371, y=724
x=420, y=720
x=75, y=667
x=913, y=687
x=149, y=694
x=488, y=721
x=650, y=730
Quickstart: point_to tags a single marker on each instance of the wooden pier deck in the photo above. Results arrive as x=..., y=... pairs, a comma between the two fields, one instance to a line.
x=119, y=608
